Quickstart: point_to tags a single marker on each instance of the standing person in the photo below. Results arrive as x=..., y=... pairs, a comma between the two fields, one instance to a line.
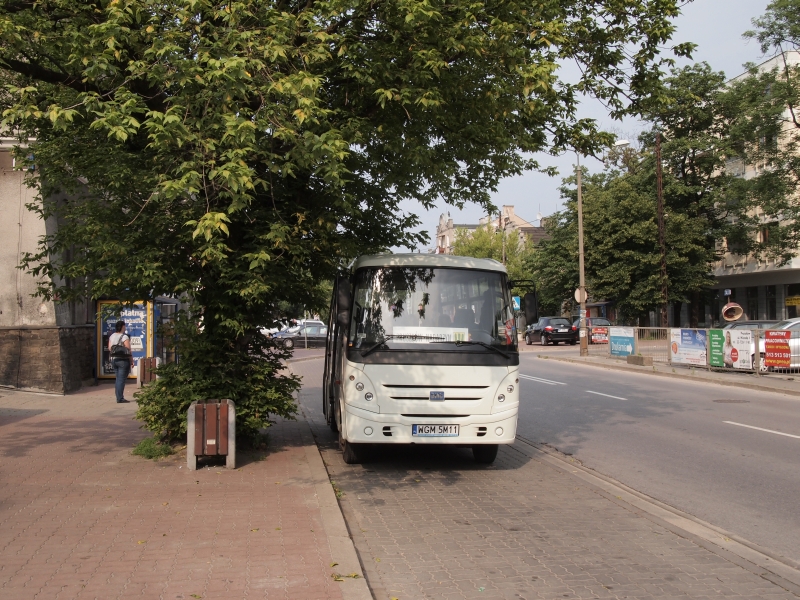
x=119, y=344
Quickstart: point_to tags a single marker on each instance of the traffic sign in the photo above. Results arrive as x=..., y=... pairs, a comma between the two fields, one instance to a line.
x=580, y=297
x=515, y=300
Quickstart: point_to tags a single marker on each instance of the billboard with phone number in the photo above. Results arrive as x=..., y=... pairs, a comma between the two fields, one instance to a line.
x=776, y=348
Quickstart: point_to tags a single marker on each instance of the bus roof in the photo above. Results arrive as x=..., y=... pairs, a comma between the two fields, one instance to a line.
x=428, y=260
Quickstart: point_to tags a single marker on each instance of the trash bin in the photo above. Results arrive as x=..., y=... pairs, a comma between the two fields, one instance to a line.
x=211, y=431
x=147, y=370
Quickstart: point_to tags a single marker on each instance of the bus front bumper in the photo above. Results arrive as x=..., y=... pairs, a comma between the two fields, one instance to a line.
x=365, y=427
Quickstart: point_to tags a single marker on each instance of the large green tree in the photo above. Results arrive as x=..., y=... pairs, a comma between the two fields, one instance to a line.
x=236, y=153
x=704, y=202
x=502, y=246
x=765, y=135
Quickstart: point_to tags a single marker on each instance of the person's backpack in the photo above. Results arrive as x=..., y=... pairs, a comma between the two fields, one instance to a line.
x=119, y=350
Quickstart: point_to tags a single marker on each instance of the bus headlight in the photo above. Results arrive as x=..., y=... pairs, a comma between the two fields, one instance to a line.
x=359, y=386
x=501, y=397
x=368, y=396
x=510, y=389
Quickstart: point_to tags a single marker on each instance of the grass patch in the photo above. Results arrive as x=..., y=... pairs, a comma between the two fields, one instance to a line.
x=152, y=449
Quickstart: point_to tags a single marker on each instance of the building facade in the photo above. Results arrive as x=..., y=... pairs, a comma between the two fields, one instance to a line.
x=764, y=289
x=507, y=220
x=44, y=345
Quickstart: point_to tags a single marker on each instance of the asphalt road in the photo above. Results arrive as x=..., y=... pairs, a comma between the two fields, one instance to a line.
x=692, y=445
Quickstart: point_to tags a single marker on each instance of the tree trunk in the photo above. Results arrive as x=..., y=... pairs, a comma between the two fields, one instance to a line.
x=676, y=313
x=695, y=309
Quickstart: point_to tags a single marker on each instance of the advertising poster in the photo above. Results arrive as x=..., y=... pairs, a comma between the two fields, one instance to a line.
x=599, y=335
x=688, y=347
x=730, y=348
x=621, y=340
x=137, y=318
x=776, y=348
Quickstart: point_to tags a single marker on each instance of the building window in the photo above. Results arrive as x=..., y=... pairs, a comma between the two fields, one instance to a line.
x=772, y=303
x=792, y=300
x=752, y=303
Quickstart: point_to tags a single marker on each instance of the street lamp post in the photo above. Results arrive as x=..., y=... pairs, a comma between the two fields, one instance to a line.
x=584, y=337
x=582, y=280
x=662, y=245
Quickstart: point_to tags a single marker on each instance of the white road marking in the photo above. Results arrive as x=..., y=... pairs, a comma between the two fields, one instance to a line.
x=762, y=429
x=540, y=380
x=606, y=395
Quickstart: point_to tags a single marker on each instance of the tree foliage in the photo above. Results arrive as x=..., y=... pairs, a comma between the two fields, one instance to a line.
x=554, y=264
x=766, y=133
x=236, y=153
x=708, y=206
x=502, y=246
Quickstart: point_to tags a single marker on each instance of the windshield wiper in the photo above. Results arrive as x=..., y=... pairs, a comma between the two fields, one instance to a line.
x=405, y=336
x=473, y=343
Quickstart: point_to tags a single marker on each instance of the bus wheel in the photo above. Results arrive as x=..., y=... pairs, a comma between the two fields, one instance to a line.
x=351, y=453
x=485, y=453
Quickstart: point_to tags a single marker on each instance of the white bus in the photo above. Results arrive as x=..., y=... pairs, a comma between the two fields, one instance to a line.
x=422, y=349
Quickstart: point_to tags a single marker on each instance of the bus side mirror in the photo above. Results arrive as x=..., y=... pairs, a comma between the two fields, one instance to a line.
x=511, y=284
x=530, y=306
x=343, y=301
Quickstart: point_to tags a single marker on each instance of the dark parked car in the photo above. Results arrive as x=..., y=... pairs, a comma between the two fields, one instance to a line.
x=597, y=329
x=314, y=331
x=551, y=330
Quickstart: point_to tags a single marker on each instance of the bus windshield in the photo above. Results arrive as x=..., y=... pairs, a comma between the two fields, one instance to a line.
x=431, y=308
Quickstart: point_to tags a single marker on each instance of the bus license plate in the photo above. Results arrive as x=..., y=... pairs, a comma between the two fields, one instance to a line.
x=434, y=430
x=437, y=396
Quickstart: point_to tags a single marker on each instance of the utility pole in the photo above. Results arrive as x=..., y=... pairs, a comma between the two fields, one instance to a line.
x=662, y=245
x=582, y=281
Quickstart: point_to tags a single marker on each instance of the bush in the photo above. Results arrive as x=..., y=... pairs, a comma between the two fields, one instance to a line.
x=247, y=370
x=153, y=449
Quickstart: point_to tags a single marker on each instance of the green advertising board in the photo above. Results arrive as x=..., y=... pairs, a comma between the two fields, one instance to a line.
x=716, y=342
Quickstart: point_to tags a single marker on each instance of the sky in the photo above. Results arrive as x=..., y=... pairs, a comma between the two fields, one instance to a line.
x=716, y=26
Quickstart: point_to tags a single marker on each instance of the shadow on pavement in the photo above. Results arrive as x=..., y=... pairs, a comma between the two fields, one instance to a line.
x=72, y=435
x=13, y=415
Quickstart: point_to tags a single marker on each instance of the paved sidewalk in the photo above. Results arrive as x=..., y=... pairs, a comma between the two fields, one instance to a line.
x=80, y=517
x=430, y=523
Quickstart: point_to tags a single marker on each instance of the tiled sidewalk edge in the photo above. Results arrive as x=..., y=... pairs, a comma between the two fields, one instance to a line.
x=341, y=545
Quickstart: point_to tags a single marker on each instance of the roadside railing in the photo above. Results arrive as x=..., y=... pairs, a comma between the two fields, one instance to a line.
x=712, y=349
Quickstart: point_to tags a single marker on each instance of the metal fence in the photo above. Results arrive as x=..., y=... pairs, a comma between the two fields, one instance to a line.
x=653, y=342
x=716, y=349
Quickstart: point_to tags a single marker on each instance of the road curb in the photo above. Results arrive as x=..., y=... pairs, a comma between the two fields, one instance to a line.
x=772, y=567
x=341, y=545
x=340, y=542
x=303, y=359
x=738, y=384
